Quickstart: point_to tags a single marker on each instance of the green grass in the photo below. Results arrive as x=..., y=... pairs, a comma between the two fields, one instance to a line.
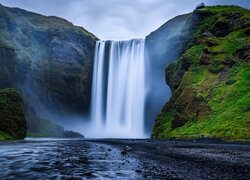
x=223, y=86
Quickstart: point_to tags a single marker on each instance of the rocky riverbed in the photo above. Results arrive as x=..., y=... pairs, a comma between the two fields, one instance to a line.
x=123, y=159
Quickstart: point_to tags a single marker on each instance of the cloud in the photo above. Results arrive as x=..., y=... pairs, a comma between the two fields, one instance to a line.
x=116, y=19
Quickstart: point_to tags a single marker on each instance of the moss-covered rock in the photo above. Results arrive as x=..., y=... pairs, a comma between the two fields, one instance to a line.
x=12, y=118
x=49, y=61
x=210, y=83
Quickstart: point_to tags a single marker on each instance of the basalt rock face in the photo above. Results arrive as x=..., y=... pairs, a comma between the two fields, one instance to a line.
x=48, y=60
x=12, y=118
x=210, y=81
x=164, y=46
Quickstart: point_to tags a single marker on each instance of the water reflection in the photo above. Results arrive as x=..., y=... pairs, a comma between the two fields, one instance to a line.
x=64, y=159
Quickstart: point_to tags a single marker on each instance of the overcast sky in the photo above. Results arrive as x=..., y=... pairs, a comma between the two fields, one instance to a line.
x=117, y=19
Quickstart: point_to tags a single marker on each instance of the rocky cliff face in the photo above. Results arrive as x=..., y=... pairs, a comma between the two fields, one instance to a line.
x=48, y=60
x=164, y=46
x=12, y=118
x=209, y=83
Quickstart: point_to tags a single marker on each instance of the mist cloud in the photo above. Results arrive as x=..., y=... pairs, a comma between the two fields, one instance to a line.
x=116, y=19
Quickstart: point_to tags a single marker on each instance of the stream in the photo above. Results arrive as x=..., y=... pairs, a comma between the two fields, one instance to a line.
x=41, y=158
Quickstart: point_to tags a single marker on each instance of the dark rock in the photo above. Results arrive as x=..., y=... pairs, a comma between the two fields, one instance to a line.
x=50, y=65
x=206, y=51
x=201, y=6
x=126, y=150
x=72, y=134
x=83, y=160
x=247, y=32
x=243, y=53
x=87, y=174
x=74, y=178
x=222, y=28
x=138, y=171
x=205, y=59
x=228, y=61
x=179, y=120
x=211, y=42
x=123, y=152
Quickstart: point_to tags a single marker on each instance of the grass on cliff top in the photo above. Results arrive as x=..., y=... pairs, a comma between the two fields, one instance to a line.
x=227, y=9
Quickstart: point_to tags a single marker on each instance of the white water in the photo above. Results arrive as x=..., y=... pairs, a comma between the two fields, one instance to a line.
x=118, y=89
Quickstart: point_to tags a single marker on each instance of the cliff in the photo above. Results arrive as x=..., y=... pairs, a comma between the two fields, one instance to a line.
x=210, y=81
x=49, y=61
x=12, y=118
x=164, y=46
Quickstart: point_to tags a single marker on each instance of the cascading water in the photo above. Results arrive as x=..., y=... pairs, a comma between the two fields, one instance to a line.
x=118, y=89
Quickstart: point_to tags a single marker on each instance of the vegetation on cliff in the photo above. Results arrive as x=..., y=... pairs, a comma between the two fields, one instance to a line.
x=49, y=61
x=12, y=118
x=210, y=83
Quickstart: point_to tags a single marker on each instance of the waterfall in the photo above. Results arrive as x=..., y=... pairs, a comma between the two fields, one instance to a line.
x=118, y=89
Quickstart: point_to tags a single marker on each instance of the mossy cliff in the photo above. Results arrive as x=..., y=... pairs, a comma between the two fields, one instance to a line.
x=12, y=118
x=164, y=46
x=210, y=83
x=49, y=61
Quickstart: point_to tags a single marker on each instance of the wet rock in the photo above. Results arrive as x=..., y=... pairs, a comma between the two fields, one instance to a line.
x=87, y=174
x=123, y=153
x=126, y=150
x=83, y=160
x=72, y=134
x=57, y=163
x=138, y=171
x=73, y=178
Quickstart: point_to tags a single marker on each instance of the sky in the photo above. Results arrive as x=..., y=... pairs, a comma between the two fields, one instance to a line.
x=117, y=19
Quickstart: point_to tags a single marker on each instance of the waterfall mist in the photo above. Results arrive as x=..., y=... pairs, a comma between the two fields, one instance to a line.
x=118, y=90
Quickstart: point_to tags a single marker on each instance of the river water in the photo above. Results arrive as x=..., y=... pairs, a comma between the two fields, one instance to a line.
x=64, y=159
x=72, y=159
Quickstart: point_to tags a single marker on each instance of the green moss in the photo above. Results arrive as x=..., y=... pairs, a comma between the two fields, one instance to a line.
x=230, y=81
x=12, y=118
x=5, y=136
x=214, y=97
